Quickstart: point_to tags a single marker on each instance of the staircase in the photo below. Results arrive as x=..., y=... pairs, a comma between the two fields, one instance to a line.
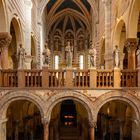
x=69, y=133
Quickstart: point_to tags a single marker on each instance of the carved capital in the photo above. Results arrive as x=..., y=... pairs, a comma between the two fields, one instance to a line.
x=92, y=124
x=131, y=44
x=5, y=39
x=45, y=121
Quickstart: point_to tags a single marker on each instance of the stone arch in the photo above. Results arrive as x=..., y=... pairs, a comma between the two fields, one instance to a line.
x=70, y=95
x=119, y=39
x=3, y=16
x=117, y=32
x=18, y=29
x=133, y=19
x=118, y=95
x=12, y=96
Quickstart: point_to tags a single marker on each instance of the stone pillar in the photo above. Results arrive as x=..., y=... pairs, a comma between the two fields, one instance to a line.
x=131, y=45
x=45, y=77
x=46, y=128
x=3, y=129
x=21, y=78
x=117, y=78
x=108, y=48
x=92, y=126
x=5, y=39
x=69, y=77
x=93, y=78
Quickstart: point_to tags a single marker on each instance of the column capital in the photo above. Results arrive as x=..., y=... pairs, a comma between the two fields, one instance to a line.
x=131, y=44
x=92, y=124
x=45, y=121
x=5, y=39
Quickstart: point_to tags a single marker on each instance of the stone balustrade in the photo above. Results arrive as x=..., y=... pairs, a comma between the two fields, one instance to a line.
x=69, y=78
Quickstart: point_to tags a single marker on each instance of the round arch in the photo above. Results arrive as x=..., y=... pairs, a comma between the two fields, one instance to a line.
x=18, y=29
x=20, y=95
x=118, y=95
x=69, y=95
x=133, y=19
x=44, y=3
x=3, y=16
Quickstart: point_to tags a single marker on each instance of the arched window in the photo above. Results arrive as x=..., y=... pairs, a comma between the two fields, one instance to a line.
x=56, y=62
x=81, y=62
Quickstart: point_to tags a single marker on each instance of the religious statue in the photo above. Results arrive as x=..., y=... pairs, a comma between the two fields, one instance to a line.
x=117, y=56
x=46, y=54
x=21, y=57
x=138, y=55
x=69, y=55
x=92, y=53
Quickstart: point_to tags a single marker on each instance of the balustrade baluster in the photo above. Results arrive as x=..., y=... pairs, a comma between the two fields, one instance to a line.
x=79, y=78
x=51, y=79
x=82, y=79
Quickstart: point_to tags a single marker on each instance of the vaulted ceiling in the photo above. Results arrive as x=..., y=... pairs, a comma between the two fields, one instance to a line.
x=65, y=14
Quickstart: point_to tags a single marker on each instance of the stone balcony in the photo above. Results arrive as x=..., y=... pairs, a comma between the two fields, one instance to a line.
x=69, y=79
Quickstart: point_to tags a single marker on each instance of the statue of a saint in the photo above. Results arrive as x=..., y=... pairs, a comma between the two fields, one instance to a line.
x=117, y=57
x=92, y=53
x=69, y=55
x=21, y=57
x=46, y=53
x=138, y=55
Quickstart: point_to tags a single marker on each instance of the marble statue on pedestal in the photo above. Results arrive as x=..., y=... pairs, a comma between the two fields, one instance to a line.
x=69, y=55
x=92, y=53
x=21, y=57
x=46, y=53
x=117, y=57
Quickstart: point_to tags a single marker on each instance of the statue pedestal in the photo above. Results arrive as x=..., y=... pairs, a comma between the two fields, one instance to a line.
x=117, y=77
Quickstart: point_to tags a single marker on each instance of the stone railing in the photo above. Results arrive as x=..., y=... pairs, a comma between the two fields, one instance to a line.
x=81, y=78
x=129, y=78
x=69, y=78
x=105, y=78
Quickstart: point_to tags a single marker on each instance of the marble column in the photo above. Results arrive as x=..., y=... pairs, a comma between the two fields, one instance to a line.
x=46, y=128
x=92, y=126
x=28, y=6
x=131, y=45
x=108, y=48
x=3, y=128
x=5, y=39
